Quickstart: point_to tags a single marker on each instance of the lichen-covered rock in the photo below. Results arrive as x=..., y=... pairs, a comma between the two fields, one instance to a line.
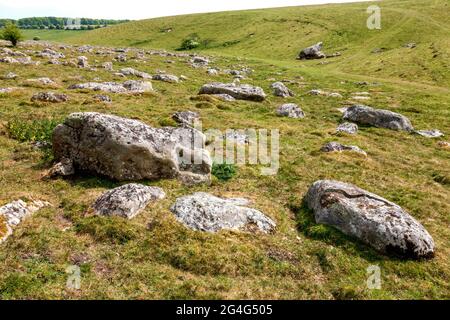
x=205, y=212
x=337, y=147
x=347, y=127
x=166, y=78
x=134, y=72
x=290, y=110
x=82, y=62
x=102, y=98
x=240, y=92
x=378, y=118
x=313, y=52
x=50, y=97
x=130, y=86
x=13, y=213
x=372, y=219
x=224, y=97
x=126, y=201
x=280, y=90
x=125, y=149
x=186, y=118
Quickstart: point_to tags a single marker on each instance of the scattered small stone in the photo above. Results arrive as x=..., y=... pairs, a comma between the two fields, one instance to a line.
x=410, y=45
x=63, y=168
x=337, y=147
x=290, y=110
x=10, y=76
x=102, y=98
x=444, y=144
x=347, y=127
x=434, y=133
x=280, y=90
x=134, y=72
x=50, y=97
x=126, y=201
x=166, y=78
x=224, y=97
x=83, y=62
x=107, y=66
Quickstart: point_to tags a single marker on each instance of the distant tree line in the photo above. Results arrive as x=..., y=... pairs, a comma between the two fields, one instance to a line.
x=60, y=23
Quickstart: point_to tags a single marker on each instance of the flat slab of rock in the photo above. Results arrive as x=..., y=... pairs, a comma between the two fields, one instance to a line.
x=290, y=110
x=13, y=213
x=134, y=72
x=337, y=147
x=372, y=219
x=313, y=52
x=237, y=91
x=126, y=201
x=166, y=78
x=377, y=117
x=280, y=90
x=205, y=212
x=130, y=86
x=50, y=97
x=434, y=133
x=125, y=149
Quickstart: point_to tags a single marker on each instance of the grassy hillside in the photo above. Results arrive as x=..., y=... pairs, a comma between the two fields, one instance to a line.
x=154, y=256
x=279, y=34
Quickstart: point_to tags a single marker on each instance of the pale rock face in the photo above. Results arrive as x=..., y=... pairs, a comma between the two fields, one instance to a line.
x=83, y=62
x=130, y=86
x=313, y=52
x=237, y=91
x=370, y=218
x=62, y=168
x=134, y=72
x=13, y=213
x=50, y=97
x=337, y=147
x=126, y=201
x=377, y=117
x=280, y=90
x=347, y=127
x=124, y=149
x=290, y=110
x=166, y=78
x=434, y=133
x=186, y=118
x=205, y=212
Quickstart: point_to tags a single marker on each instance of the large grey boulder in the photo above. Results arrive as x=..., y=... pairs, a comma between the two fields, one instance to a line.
x=130, y=86
x=237, y=91
x=313, y=52
x=378, y=118
x=372, y=219
x=126, y=201
x=205, y=212
x=125, y=149
x=347, y=127
x=13, y=213
x=280, y=90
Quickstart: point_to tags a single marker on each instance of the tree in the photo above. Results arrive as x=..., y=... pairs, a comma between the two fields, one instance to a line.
x=12, y=33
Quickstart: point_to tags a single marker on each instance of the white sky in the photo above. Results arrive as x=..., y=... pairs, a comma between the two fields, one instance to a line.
x=135, y=9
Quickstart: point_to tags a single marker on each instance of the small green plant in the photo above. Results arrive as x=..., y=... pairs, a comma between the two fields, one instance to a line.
x=191, y=42
x=32, y=131
x=12, y=33
x=224, y=171
x=36, y=38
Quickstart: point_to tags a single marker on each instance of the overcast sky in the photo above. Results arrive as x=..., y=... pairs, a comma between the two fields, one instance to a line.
x=134, y=9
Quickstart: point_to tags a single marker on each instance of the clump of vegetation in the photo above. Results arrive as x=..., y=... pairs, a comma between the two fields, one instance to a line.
x=36, y=38
x=191, y=42
x=12, y=33
x=3, y=227
x=111, y=229
x=32, y=131
x=223, y=171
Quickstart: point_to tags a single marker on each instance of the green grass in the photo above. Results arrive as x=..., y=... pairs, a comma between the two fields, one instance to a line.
x=155, y=257
x=53, y=35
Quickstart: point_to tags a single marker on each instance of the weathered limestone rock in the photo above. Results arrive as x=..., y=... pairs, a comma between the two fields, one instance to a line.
x=434, y=133
x=50, y=97
x=313, y=52
x=62, y=168
x=370, y=218
x=13, y=213
x=126, y=201
x=378, y=118
x=134, y=72
x=337, y=147
x=347, y=127
x=124, y=149
x=290, y=110
x=130, y=86
x=205, y=212
x=83, y=62
x=280, y=90
x=166, y=78
x=241, y=92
